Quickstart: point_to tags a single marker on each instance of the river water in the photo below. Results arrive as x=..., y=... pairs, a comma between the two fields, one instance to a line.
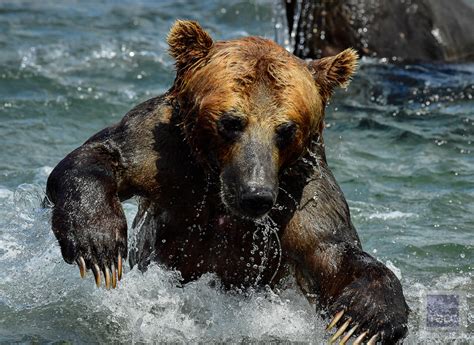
x=399, y=140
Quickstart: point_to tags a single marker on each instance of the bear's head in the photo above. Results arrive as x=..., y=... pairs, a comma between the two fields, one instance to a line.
x=249, y=109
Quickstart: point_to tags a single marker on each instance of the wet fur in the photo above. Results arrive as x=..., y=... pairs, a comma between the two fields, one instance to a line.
x=167, y=152
x=384, y=29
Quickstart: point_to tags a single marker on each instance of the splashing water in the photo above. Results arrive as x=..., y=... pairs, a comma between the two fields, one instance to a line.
x=53, y=303
x=267, y=227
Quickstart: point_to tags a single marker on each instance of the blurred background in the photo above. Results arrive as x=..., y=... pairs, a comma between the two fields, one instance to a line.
x=399, y=141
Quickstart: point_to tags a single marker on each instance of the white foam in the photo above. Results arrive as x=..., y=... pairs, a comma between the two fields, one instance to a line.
x=41, y=174
x=9, y=249
x=151, y=306
x=391, y=215
x=5, y=193
x=390, y=265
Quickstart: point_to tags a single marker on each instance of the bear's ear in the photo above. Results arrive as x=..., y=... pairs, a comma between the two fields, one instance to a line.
x=333, y=71
x=188, y=43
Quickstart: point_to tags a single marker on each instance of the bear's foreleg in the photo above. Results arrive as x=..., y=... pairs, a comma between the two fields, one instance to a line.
x=87, y=218
x=363, y=296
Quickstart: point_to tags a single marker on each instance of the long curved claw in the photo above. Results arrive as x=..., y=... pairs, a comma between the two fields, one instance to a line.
x=82, y=266
x=114, y=277
x=373, y=340
x=348, y=335
x=96, y=270
x=340, y=331
x=107, y=277
x=336, y=318
x=119, y=266
x=360, y=338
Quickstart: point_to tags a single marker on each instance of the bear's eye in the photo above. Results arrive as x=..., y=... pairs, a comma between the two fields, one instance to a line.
x=285, y=134
x=230, y=126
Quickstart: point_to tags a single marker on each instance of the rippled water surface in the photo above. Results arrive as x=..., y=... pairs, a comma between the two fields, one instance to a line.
x=399, y=140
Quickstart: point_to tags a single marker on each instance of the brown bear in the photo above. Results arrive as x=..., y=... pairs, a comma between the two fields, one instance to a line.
x=406, y=31
x=231, y=176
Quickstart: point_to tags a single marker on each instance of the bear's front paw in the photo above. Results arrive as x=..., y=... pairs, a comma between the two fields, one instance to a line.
x=94, y=239
x=371, y=308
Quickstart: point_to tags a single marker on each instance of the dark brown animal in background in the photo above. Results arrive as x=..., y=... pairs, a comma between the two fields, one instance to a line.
x=231, y=175
x=399, y=30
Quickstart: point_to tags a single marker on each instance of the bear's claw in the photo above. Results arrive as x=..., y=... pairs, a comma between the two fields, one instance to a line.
x=348, y=335
x=373, y=340
x=107, y=277
x=360, y=338
x=114, y=277
x=340, y=331
x=336, y=318
x=119, y=266
x=82, y=266
x=96, y=270
x=112, y=274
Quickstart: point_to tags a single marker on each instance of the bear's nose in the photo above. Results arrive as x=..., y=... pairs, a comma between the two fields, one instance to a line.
x=255, y=202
